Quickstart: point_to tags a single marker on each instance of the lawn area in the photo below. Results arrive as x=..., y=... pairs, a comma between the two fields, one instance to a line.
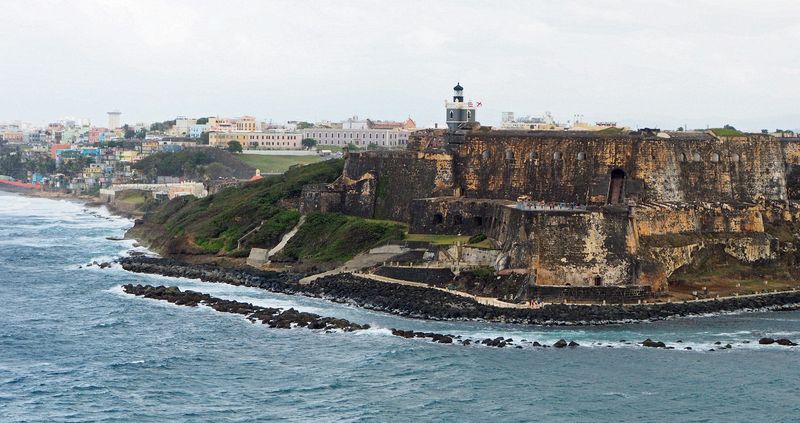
x=437, y=239
x=275, y=164
x=132, y=198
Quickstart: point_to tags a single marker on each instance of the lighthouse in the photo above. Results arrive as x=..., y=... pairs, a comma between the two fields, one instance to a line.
x=460, y=115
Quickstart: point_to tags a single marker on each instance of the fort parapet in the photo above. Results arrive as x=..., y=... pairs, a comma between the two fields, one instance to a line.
x=602, y=208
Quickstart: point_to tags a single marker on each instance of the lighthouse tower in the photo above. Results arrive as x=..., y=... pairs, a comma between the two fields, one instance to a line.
x=460, y=115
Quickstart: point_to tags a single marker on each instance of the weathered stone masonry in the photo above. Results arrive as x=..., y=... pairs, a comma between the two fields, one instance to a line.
x=632, y=188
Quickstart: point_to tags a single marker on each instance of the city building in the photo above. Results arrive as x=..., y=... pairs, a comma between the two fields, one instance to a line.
x=196, y=130
x=114, y=119
x=13, y=137
x=246, y=124
x=258, y=140
x=359, y=137
x=545, y=123
x=182, y=126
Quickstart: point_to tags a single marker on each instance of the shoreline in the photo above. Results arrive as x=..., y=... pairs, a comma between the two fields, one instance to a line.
x=427, y=304
x=85, y=200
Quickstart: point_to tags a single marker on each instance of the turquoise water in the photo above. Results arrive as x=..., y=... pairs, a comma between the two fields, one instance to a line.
x=74, y=348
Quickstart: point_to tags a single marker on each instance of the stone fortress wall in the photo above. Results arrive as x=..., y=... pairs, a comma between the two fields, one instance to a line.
x=603, y=203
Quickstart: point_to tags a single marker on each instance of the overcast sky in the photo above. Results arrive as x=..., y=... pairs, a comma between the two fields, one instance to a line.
x=643, y=63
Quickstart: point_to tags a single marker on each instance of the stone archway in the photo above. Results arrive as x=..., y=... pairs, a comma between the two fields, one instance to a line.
x=616, y=188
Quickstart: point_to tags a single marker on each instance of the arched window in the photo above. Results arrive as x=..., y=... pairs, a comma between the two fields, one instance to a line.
x=696, y=157
x=581, y=156
x=469, y=114
x=714, y=157
x=451, y=114
x=509, y=155
x=438, y=219
x=734, y=157
x=557, y=155
x=485, y=155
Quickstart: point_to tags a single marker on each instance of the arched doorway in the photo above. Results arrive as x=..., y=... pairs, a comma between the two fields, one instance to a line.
x=616, y=189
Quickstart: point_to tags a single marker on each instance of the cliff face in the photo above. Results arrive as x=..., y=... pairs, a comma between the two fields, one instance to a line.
x=577, y=167
x=608, y=209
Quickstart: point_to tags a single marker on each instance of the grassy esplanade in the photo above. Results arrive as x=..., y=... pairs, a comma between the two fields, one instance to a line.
x=275, y=164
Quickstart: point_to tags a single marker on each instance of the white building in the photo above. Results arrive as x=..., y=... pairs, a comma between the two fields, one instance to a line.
x=545, y=123
x=196, y=130
x=113, y=119
x=392, y=138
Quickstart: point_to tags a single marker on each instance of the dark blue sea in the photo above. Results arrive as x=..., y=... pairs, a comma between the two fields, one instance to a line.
x=74, y=348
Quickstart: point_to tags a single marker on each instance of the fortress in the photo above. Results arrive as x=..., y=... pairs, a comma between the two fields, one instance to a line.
x=580, y=208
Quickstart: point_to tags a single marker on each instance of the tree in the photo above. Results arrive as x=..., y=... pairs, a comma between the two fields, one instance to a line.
x=304, y=125
x=202, y=121
x=141, y=134
x=203, y=138
x=309, y=142
x=216, y=170
x=129, y=133
x=234, y=146
x=727, y=126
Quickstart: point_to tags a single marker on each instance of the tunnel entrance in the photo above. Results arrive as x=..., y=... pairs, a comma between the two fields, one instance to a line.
x=616, y=188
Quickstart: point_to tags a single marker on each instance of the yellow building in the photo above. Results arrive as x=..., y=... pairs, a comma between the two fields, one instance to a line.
x=258, y=140
x=128, y=156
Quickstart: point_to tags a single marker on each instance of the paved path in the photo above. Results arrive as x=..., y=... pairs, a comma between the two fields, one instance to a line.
x=286, y=237
x=494, y=302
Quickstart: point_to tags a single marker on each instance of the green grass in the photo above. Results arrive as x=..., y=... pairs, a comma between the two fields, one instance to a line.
x=334, y=237
x=726, y=132
x=216, y=222
x=437, y=239
x=275, y=164
x=136, y=198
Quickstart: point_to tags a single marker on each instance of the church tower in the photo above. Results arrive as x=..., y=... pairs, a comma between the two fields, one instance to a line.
x=460, y=115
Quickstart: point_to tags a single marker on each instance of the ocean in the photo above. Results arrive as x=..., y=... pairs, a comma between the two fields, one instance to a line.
x=75, y=348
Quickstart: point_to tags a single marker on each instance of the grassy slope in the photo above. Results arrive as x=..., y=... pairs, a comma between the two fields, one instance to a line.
x=334, y=237
x=216, y=222
x=275, y=164
x=193, y=163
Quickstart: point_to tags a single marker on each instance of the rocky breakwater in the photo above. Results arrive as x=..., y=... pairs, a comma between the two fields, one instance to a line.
x=273, y=317
x=291, y=318
x=425, y=303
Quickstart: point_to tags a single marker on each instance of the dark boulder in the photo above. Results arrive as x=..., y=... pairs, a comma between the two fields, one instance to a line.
x=653, y=344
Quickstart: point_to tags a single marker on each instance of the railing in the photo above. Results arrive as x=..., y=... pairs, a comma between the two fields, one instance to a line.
x=542, y=206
